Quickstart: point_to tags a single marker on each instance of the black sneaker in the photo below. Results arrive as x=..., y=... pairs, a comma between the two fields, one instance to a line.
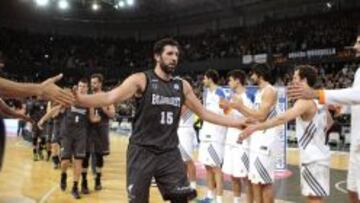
x=75, y=193
x=63, y=181
x=84, y=187
x=98, y=183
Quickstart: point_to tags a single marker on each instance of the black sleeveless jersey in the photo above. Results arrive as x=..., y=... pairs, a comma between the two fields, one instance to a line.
x=158, y=114
x=104, y=118
x=76, y=117
x=36, y=110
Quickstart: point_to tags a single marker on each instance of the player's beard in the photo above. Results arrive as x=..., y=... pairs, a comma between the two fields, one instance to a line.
x=167, y=68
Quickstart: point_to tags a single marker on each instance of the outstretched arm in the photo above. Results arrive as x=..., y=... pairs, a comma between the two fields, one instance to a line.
x=46, y=89
x=297, y=110
x=267, y=101
x=194, y=104
x=132, y=85
x=347, y=96
x=53, y=111
x=7, y=111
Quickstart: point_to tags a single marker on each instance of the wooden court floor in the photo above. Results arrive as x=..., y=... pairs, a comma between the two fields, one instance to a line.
x=25, y=181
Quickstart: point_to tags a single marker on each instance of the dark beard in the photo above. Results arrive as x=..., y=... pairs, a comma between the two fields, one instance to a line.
x=167, y=69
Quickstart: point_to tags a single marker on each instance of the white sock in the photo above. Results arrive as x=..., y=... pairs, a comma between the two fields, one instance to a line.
x=237, y=200
x=210, y=194
x=193, y=184
x=219, y=199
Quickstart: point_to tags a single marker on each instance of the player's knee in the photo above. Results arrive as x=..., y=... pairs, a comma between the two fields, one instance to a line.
x=181, y=194
x=99, y=161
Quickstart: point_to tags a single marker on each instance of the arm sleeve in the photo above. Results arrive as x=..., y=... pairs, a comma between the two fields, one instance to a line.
x=348, y=96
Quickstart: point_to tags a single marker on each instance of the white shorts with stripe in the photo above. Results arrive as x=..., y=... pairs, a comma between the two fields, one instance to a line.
x=353, y=177
x=187, y=142
x=262, y=167
x=211, y=153
x=315, y=180
x=236, y=161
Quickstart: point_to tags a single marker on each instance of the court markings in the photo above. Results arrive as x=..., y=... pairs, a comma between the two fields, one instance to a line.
x=48, y=194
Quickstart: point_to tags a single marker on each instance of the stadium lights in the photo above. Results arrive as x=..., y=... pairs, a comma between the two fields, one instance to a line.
x=120, y=4
x=95, y=6
x=130, y=2
x=63, y=4
x=42, y=3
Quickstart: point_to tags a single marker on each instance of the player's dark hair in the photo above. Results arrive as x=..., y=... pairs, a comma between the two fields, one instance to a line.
x=309, y=73
x=84, y=80
x=98, y=76
x=159, y=45
x=237, y=75
x=213, y=75
x=262, y=70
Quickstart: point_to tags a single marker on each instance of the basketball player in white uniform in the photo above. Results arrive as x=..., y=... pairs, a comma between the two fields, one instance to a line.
x=312, y=122
x=262, y=165
x=187, y=140
x=212, y=139
x=348, y=96
x=236, y=155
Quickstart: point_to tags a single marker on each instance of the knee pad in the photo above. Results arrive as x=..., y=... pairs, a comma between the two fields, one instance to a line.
x=181, y=194
x=99, y=160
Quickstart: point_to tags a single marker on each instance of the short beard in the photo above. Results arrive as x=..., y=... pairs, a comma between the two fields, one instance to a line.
x=167, y=68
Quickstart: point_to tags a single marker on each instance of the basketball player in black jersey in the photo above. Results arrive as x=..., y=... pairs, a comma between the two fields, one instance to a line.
x=37, y=109
x=98, y=136
x=55, y=114
x=153, y=146
x=47, y=89
x=73, y=140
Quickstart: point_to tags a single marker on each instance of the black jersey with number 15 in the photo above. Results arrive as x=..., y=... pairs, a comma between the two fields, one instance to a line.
x=158, y=114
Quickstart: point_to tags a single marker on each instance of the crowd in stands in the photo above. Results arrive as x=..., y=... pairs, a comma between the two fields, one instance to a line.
x=38, y=56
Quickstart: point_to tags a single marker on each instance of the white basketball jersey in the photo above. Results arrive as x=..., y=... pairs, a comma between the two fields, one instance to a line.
x=264, y=140
x=232, y=134
x=311, y=137
x=209, y=131
x=355, y=117
x=187, y=119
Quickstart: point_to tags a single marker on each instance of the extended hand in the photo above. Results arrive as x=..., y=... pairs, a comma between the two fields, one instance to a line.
x=299, y=91
x=249, y=130
x=50, y=91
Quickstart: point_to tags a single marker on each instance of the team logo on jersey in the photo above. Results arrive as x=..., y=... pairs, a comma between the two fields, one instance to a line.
x=176, y=87
x=154, y=85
